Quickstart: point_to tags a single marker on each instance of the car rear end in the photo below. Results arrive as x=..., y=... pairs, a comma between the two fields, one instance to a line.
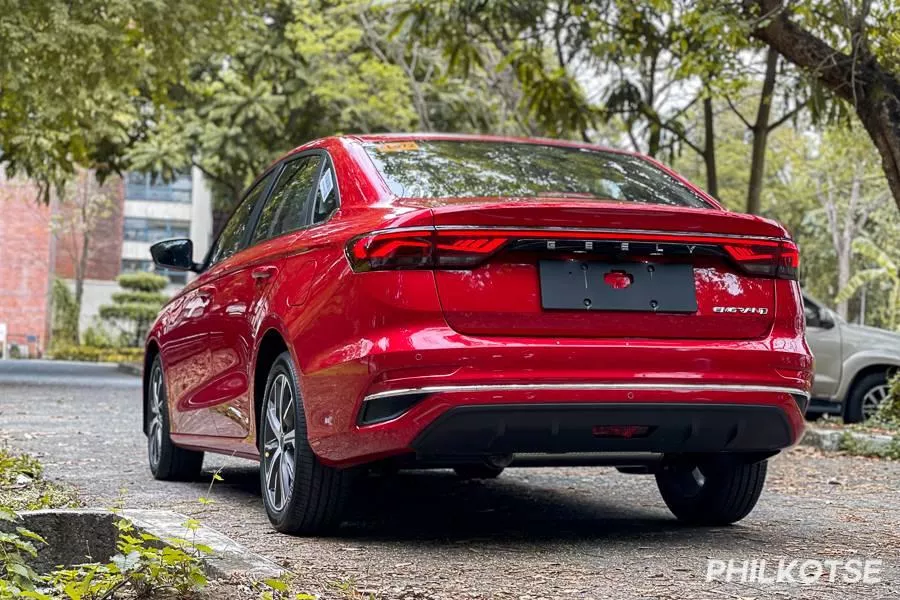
x=599, y=307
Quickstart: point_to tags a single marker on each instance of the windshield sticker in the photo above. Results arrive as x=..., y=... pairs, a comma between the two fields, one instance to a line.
x=326, y=184
x=397, y=147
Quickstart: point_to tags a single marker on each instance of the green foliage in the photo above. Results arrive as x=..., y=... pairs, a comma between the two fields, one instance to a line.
x=142, y=282
x=94, y=354
x=96, y=336
x=17, y=578
x=857, y=446
x=889, y=411
x=79, y=80
x=144, y=565
x=22, y=486
x=280, y=588
x=882, y=269
x=65, y=314
x=133, y=310
x=297, y=70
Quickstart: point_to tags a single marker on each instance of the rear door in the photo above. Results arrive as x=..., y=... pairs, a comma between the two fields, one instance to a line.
x=228, y=293
x=279, y=220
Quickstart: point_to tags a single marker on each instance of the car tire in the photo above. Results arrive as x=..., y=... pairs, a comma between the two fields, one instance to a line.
x=476, y=471
x=865, y=395
x=711, y=491
x=301, y=495
x=167, y=461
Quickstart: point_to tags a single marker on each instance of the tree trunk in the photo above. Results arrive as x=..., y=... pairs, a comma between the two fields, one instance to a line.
x=80, y=272
x=761, y=135
x=654, y=140
x=843, y=276
x=872, y=89
x=709, y=148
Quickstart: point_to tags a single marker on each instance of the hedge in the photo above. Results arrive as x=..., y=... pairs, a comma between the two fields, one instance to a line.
x=92, y=354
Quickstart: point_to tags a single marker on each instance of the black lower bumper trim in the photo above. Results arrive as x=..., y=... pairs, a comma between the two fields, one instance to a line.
x=560, y=428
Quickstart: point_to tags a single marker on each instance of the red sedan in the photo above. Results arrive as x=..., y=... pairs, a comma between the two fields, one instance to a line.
x=475, y=303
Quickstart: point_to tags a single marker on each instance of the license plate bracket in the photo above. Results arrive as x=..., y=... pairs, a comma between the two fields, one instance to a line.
x=617, y=286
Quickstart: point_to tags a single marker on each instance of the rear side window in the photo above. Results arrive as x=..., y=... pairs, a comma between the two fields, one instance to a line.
x=461, y=169
x=232, y=234
x=288, y=206
x=326, y=196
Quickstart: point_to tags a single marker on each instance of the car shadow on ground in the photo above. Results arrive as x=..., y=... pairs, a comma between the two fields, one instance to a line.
x=438, y=506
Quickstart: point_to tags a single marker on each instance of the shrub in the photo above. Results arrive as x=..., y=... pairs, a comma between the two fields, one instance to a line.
x=65, y=314
x=135, y=308
x=890, y=410
x=98, y=337
x=93, y=354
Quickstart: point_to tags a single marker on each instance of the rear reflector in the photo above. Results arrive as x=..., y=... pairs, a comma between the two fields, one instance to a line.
x=465, y=249
x=625, y=432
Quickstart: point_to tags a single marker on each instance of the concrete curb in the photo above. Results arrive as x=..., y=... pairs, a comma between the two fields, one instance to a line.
x=832, y=440
x=130, y=369
x=229, y=558
x=73, y=534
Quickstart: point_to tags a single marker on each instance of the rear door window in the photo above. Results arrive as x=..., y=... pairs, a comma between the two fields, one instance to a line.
x=288, y=206
x=326, y=196
x=232, y=236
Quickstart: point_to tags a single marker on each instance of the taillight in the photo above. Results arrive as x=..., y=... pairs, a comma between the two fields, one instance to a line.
x=468, y=248
x=391, y=250
x=421, y=250
x=765, y=258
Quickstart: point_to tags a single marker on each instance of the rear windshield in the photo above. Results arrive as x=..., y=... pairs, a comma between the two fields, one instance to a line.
x=456, y=169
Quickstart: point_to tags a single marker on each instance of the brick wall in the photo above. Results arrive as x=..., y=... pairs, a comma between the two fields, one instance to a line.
x=105, y=250
x=24, y=262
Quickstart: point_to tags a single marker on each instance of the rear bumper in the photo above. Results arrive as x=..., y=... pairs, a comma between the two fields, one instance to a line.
x=479, y=430
x=440, y=424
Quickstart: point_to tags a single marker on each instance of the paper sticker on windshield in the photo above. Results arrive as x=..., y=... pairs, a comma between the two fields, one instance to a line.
x=397, y=147
x=326, y=184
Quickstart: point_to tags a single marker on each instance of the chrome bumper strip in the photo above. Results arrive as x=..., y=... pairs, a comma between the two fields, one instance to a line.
x=578, y=387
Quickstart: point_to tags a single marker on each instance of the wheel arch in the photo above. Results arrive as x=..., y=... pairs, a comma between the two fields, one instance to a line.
x=862, y=373
x=150, y=355
x=272, y=344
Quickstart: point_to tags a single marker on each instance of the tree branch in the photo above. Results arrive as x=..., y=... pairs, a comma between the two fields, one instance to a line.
x=735, y=110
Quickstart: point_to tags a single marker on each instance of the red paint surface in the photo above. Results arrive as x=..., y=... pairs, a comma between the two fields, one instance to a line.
x=352, y=334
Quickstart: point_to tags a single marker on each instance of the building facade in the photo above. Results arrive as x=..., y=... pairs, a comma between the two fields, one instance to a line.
x=136, y=212
x=24, y=266
x=153, y=210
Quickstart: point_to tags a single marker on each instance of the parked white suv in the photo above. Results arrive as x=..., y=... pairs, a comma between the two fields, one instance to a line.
x=853, y=363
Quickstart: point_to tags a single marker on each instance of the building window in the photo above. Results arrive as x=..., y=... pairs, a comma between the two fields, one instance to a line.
x=130, y=265
x=143, y=186
x=151, y=230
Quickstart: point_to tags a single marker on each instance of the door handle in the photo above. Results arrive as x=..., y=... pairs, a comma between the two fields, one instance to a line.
x=262, y=273
x=205, y=293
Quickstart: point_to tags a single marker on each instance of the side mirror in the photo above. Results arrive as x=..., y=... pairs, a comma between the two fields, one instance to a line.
x=826, y=320
x=174, y=254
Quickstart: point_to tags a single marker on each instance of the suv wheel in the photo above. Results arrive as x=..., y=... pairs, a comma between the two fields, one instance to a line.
x=301, y=495
x=716, y=490
x=168, y=462
x=866, y=397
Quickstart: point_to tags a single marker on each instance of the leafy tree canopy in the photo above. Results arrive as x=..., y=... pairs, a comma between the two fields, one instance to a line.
x=77, y=78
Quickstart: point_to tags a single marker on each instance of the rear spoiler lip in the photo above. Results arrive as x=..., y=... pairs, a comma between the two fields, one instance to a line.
x=605, y=231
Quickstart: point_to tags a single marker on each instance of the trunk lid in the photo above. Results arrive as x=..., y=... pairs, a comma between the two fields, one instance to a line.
x=561, y=249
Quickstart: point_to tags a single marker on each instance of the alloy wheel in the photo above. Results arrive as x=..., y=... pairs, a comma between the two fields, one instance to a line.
x=873, y=399
x=279, y=449
x=157, y=397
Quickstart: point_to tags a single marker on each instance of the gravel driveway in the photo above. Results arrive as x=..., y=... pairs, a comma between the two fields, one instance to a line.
x=563, y=532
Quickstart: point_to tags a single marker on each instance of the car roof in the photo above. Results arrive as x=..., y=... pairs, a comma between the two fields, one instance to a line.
x=469, y=137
